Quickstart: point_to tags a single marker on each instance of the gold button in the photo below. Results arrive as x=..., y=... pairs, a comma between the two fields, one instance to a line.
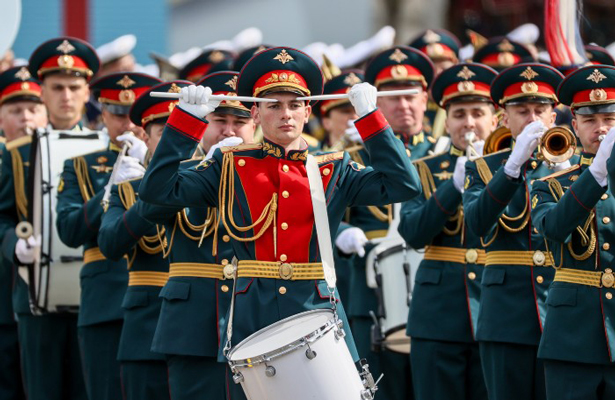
x=283, y=257
x=604, y=197
x=224, y=261
x=241, y=162
x=284, y=226
x=606, y=246
x=326, y=171
x=534, y=164
x=285, y=194
x=224, y=288
x=285, y=168
x=226, y=238
x=282, y=290
x=606, y=220
x=540, y=279
x=609, y=295
x=472, y=276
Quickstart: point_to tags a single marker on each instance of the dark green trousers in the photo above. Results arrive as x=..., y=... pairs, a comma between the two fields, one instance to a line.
x=99, y=345
x=193, y=377
x=145, y=380
x=575, y=381
x=512, y=371
x=11, y=386
x=50, y=356
x=447, y=370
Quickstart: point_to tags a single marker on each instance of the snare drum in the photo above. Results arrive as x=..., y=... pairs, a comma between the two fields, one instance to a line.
x=301, y=357
x=391, y=268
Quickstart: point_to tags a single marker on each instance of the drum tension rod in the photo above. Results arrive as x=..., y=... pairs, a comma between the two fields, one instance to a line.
x=270, y=371
x=309, y=353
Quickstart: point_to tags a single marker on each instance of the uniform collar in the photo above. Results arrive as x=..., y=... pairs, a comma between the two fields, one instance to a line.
x=454, y=151
x=114, y=147
x=275, y=150
x=586, y=159
x=419, y=138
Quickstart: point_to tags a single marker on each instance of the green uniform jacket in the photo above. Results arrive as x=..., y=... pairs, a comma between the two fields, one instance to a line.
x=579, y=325
x=79, y=214
x=270, y=172
x=123, y=230
x=446, y=294
x=6, y=274
x=513, y=297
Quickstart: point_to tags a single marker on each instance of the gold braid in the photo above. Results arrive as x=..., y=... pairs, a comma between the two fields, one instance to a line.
x=267, y=217
x=429, y=187
x=83, y=178
x=21, y=201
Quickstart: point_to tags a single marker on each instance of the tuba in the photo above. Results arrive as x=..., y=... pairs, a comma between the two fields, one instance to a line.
x=557, y=145
x=499, y=139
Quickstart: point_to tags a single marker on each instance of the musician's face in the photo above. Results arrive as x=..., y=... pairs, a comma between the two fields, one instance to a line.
x=404, y=113
x=518, y=116
x=119, y=123
x=65, y=97
x=442, y=65
x=222, y=126
x=462, y=118
x=152, y=138
x=16, y=118
x=590, y=127
x=336, y=122
x=282, y=122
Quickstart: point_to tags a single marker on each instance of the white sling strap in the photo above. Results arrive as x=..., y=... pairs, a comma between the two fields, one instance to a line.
x=319, y=205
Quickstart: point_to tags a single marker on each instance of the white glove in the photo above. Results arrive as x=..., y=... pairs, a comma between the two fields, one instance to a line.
x=479, y=145
x=561, y=166
x=352, y=134
x=459, y=174
x=129, y=168
x=352, y=240
x=229, y=141
x=598, y=167
x=197, y=101
x=525, y=145
x=137, y=149
x=25, y=249
x=363, y=98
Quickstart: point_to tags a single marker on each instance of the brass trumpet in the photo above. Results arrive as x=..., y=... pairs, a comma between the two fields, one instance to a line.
x=499, y=139
x=557, y=145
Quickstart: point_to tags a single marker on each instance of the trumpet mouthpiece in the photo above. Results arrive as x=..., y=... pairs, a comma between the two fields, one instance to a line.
x=601, y=138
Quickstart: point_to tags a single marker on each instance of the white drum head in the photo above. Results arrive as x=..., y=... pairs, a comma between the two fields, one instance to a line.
x=281, y=333
x=398, y=341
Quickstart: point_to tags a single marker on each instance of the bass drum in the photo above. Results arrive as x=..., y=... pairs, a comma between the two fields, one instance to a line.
x=391, y=268
x=53, y=278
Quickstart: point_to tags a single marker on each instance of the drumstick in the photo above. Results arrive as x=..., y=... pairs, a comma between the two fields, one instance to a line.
x=220, y=97
x=386, y=93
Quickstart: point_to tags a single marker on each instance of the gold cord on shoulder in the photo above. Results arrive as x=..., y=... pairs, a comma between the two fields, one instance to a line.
x=83, y=178
x=21, y=201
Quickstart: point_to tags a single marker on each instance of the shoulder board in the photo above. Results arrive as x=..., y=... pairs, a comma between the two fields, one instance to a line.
x=241, y=147
x=13, y=144
x=432, y=156
x=90, y=153
x=560, y=173
x=323, y=158
x=311, y=140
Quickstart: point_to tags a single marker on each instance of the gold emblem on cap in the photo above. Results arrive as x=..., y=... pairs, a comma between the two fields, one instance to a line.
x=216, y=56
x=596, y=76
x=529, y=87
x=598, y=95
x=529, y=74
x=25, y=86
x=506, y=46
x=435, y=50
x=127, y=96
x=465, y=73
x=506, y=59
x=235, y=103
x=399, y=72
x=66, y=61
x=126, y=82
x=283, y=57
x=352, y=79
x=431, y=37
x=174, y=88
x=232, y=83
x=466, y=86
x=65, y=47
x=23, y=74
x=398, y=56
x=283, y=77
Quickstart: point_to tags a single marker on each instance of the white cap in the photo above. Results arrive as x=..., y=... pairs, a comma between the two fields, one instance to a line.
x=525, y=34
x=149, y=69
x=117, y=48
x=383, y=39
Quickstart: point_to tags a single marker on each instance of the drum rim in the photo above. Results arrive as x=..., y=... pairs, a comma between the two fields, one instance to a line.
x=288, y=348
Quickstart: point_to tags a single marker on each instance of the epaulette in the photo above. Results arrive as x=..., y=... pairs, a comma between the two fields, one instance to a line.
x=323, y=158
x=241, y=147
x=13, y=144
x=311, y=140
x=560, y=173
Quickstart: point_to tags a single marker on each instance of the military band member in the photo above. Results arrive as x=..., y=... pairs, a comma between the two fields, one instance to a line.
x=574, y=210
x=48, y=339
x=81, y=190
x=444, y=308
x=517, y=268
x=283, y=241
